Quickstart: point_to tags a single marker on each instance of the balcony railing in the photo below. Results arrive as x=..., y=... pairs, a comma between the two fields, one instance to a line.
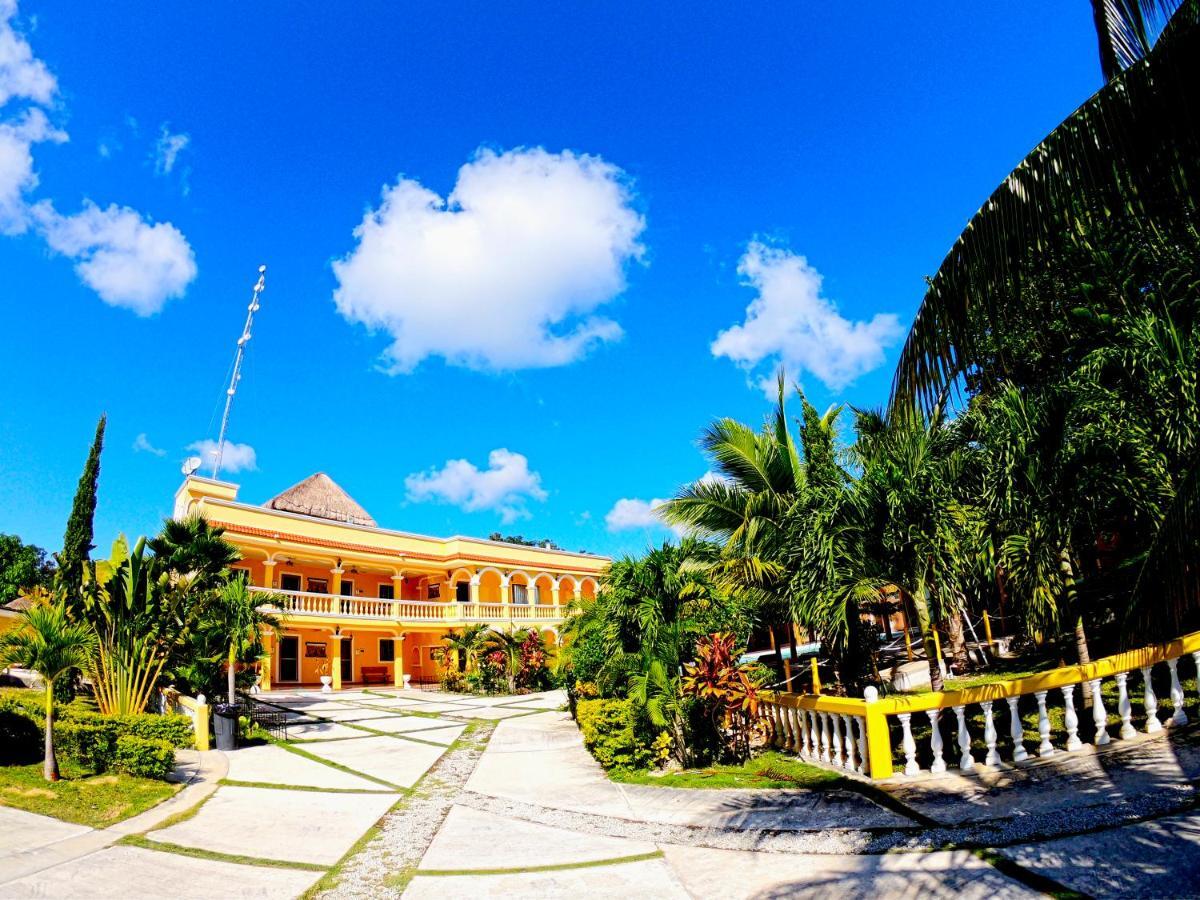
x=303, y=603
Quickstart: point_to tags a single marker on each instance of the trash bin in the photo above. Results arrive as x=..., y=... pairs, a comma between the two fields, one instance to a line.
x=225, y=722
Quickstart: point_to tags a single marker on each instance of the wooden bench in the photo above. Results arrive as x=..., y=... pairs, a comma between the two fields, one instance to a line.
x=375, y=675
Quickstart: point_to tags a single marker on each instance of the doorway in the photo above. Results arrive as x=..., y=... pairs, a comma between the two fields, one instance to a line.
x=289, y=658
x=347, y=660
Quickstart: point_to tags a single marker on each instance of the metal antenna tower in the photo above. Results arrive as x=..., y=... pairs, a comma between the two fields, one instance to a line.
x=259, y=286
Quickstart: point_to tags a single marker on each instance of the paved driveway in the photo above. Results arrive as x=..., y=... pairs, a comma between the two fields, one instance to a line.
x=496, y=797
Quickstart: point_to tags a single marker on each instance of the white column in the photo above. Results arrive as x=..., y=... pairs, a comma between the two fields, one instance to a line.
x=1152, y=724
x=910, y=746
x=835, y=724
x=989, y=735
x=1070, y=719
x=1099, y=714
x=1179, y=717
x=1015, y=730
x=966, y=762
x=1045, y=748
x=935, y=741
x=848, y=731
x=805, y=734
x=474, y=589
x=862, y=744
x=1124, y=709
x=826, y=739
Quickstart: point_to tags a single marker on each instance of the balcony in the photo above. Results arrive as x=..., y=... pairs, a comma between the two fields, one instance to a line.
x=302, y=603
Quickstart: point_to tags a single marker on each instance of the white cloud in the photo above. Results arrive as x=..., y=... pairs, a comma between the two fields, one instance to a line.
x=234, y=458
x=22, y=75
x=629, y=513
x=127, y=260
x=792, y=324
x=141, y=444
x=506, y=273
x=506, y=485
x=711, y=477
x=167, y=149
x=17, y=176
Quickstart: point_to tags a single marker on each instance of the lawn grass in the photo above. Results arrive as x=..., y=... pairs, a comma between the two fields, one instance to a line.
x=767, y=770
x=80, y=797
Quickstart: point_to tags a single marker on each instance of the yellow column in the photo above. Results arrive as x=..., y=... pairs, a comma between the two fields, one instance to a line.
x=816, y=677
x=397, y=593
x=336, y=663
x=506, y=596
x=269, y=574
x=264, y=665
x=987, y=629
x=335, y=587
x=554, y=595
x=937, y=646
x=474, y=592
x=879, y=742
x=398, y=665
x=908, y=645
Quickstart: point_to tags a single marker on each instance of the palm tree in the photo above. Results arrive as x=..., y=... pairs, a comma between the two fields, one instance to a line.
x=238, y=621
x=1121, y=167
x=507, y=643
x=195, y=548
x=760, y=477
x=49, y=643
x=465, y=644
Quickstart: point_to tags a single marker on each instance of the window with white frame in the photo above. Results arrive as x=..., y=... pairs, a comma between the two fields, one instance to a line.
x=520, y=594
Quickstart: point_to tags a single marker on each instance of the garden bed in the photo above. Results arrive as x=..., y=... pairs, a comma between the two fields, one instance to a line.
x=767, y=770
x=81, y=797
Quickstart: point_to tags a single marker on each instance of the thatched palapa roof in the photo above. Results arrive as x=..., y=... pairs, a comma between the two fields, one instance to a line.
x=319, y=496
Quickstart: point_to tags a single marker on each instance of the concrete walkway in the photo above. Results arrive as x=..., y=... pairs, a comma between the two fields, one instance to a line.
x=524, y=811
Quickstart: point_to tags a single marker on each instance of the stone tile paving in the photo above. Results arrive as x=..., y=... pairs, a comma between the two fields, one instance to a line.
x=278, y=824
x=392, y=759
x=131, y=872
x=269, y=764
x=383, y=865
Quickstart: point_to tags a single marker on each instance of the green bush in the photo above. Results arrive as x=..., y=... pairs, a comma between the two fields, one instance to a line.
x=89, y=738
x=611, y=732
x=91, y=744
x=144, y=757
x=176, y=730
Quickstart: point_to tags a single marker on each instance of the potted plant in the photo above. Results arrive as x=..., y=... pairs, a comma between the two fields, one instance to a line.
x=326, y=678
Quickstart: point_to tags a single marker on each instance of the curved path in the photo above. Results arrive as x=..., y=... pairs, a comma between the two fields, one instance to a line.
x=423, y=794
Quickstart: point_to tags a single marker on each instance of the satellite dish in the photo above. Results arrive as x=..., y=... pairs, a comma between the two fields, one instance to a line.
x=191, y=464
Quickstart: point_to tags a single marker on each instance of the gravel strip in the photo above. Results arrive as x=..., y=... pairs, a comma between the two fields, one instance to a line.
x=407, y=831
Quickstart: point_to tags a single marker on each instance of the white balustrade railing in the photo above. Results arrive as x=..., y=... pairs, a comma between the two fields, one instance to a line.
x=937, y=732
x=837, y=739
x=303, y=603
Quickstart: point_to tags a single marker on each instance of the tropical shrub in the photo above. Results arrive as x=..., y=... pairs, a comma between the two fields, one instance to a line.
x=93, y=745
x=725, y=690
x=144, y=757
x=611, y=732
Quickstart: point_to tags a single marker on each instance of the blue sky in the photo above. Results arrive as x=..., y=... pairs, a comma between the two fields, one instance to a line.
x=656, y=206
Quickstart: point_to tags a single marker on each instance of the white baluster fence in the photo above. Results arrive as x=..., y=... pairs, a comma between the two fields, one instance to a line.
x=304, y=603
x=1003, y=723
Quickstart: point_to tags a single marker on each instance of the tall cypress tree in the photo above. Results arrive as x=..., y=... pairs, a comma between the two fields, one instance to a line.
x=77, y=542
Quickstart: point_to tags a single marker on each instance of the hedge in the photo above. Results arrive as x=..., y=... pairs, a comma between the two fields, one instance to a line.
x=89, y=738
x=610, y=731
x=144, y=757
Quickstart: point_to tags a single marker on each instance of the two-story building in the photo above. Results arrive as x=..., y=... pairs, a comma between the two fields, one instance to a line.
x=360, y=602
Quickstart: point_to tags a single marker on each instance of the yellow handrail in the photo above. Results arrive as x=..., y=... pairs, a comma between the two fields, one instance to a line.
x=875, y=712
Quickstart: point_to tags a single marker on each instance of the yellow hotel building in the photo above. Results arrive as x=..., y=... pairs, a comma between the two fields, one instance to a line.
x=366, y=604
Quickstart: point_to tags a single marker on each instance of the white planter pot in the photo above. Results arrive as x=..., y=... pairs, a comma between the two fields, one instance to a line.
x=407, y=678
x=326, y=681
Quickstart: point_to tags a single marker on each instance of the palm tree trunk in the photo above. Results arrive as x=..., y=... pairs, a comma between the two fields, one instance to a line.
x=921, y=605
x=791, y=633
x=1081, y=643
x=50, y=764
x=958, y=642
x=231, y=677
